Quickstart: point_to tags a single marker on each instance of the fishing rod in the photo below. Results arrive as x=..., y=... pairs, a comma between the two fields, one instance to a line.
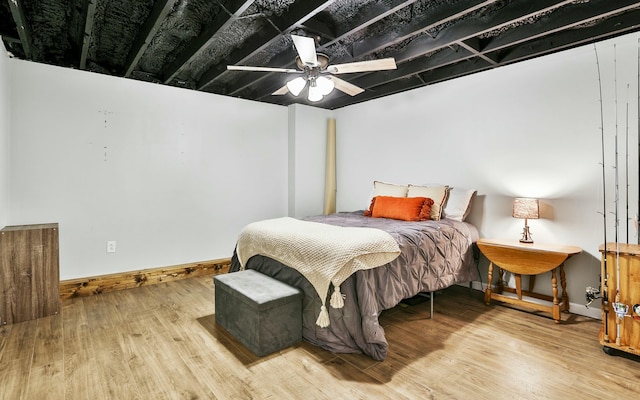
x=605, y=296
x=626, y=168
x=616, y=304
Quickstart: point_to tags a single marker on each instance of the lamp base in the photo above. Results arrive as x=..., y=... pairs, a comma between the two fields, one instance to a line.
x=526, y=235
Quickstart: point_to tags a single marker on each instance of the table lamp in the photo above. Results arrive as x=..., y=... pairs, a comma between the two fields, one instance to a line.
x=528, y=209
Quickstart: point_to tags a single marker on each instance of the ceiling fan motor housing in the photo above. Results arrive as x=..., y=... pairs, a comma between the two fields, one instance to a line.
x=323, y=62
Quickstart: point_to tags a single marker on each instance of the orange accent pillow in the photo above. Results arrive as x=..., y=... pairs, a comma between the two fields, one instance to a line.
x=367, y=213
x=425, y=213
x=402, y=208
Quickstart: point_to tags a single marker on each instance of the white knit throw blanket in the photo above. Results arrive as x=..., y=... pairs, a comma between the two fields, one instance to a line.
x=322, y=253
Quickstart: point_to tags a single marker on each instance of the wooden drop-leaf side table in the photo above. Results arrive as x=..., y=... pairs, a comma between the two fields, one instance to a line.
x=527, y=259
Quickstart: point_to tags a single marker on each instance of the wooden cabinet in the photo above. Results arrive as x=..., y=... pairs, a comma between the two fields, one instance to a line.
x=29, y=272
x=621, y=281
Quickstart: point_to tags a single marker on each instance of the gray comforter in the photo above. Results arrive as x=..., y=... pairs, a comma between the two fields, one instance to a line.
x=434, y=255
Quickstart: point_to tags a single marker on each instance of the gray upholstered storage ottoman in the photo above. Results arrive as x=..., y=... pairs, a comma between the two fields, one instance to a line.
x=261, y=312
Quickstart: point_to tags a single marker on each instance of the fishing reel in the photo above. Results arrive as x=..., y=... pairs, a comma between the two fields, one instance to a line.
x=591, y=295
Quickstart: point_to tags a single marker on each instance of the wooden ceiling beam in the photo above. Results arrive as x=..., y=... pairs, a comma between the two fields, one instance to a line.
x=87, y=33
x=604, y=29
x=456, y=34
x=197, y=45
x=369, y=15
x=444, y=14
x=161, y=9
x=318, y=28
x=473, y=45
x=468, y=28
x=24, y=32
x=568, y=25
x=298, y=14
x=561, y=19
x=569, y=17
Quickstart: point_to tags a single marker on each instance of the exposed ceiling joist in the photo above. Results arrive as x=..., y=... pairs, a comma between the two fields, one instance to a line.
x=473, y=45
x=87, y=32
x=159, y=12
x=613, y=26
x=468, y=28
x=189, y=43
x=509, y=53
x=443, y=15
x=17, y=12
x=219, y=24
x=372, y=13
x=562, y=19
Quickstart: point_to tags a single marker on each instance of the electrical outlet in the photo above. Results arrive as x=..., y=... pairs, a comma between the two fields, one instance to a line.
x=111, y=246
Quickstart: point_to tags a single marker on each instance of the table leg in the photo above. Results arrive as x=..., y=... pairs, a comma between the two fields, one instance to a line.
x=532, y=282
x=487, y=292
x=554, y=289
x=519, y=286
x=563, y=283
x=500, y=284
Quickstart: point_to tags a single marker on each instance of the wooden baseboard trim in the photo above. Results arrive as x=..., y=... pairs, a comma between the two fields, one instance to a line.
x=126, y=280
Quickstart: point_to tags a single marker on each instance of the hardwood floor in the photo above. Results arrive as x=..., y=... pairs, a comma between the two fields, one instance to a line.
x=161, y=342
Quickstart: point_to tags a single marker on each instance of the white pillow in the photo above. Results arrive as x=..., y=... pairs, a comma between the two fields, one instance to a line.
x=389, y=189
x=386, y=189
x=436, y=193
x=458, y=204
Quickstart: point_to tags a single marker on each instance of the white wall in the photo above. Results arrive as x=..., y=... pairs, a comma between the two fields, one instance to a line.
x=5, y=107
x=529, y=129
x=307, y=157
x=171, y=175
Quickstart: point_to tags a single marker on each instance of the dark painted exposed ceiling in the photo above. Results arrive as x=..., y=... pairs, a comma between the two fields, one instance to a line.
x=188, y=43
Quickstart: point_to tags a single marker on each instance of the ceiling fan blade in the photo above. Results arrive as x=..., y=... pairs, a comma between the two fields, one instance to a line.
x=363, y=66
x=260, y=69
x=306, y=48
x=348, y=88
x=283, y=90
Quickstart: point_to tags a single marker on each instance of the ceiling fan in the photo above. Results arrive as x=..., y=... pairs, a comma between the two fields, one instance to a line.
x=317, y=74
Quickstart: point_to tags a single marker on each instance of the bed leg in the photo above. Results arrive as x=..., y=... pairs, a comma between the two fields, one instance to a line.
x=431, y=294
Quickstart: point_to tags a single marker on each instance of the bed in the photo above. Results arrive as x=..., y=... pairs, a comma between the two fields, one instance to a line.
x=434, y=254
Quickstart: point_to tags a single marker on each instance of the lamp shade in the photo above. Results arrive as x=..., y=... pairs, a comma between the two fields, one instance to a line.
x=326, y=85
x=295, y=86
x=526, y=208
x=315, y=93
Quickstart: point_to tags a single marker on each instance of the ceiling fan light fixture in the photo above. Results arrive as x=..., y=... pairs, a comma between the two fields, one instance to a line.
x=295, y=86
x=315, y=93
x=325, y=85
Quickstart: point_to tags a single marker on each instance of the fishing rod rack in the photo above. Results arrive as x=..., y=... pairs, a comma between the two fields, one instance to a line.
x=619, y=287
